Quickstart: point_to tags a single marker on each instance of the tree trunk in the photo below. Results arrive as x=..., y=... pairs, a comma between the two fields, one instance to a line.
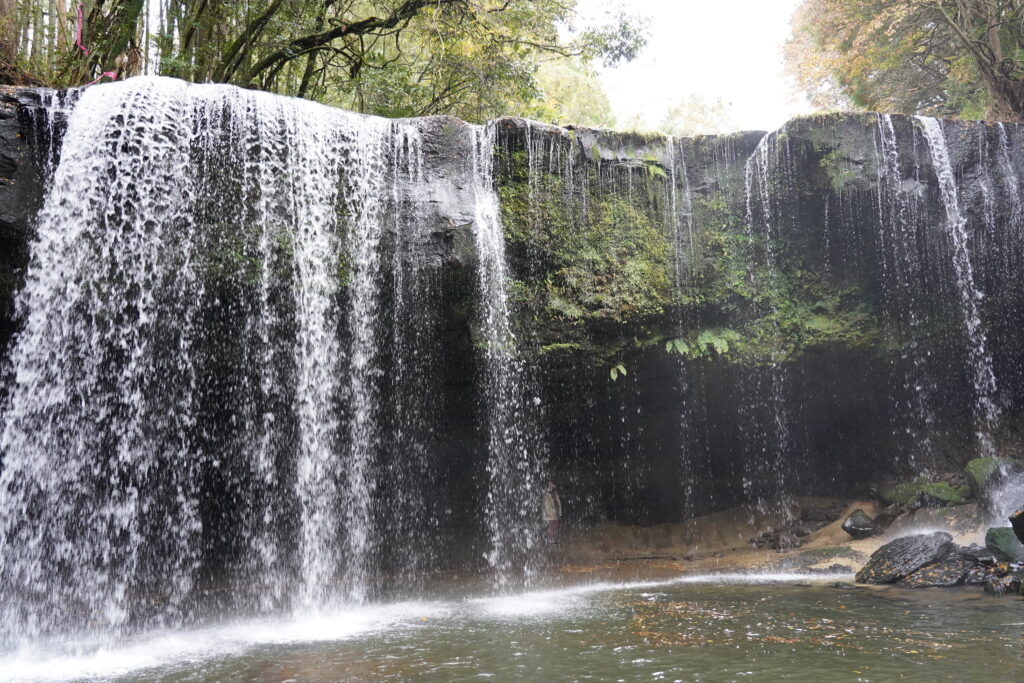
x=8, y=32
x=1007, y=98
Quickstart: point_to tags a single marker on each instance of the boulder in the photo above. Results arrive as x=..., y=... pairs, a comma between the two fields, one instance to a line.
x=1003, y=543
x=1000, y=585
x=888, y=515
x=904, y=556
x=979, y=576
x=984, y=472
x=1017, y=524
x=949, y=571
x=859, y=525
x=977, y=555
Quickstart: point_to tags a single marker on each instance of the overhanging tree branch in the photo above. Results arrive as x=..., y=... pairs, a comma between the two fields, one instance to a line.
x=300, y=46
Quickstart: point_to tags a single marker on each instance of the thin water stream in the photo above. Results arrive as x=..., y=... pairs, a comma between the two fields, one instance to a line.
x=983, y=377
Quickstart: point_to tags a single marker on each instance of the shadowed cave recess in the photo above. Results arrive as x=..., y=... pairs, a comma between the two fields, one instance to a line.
x=262, y=355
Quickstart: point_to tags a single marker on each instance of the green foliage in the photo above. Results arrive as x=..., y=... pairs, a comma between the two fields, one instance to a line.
x=942, y=57
x=597, y=271
x=840, y=173
x=611, y=263
x=474, y=59
x=617, y=370
x=708, y=343
x=570, y=93
x=677, y=346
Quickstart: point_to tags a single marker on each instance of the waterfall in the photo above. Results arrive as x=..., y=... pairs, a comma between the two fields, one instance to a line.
x=99, y=420
x=514, y=455
x=764, y=422
x=681, y=208
x=903, y=277
x=986, y=413
x=198, y=373
x=274, y=359
x=681, y=223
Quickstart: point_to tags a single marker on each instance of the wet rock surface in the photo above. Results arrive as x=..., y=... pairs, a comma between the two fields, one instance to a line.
x=859, y=525
x=796, y=533
x=544, y=172
x=1017, y=523
x=985, y=473
x=902, y=557
x=949, y=571
x=1003, y=584
x=950, y=565
x=20, y=194
x=1003, y=544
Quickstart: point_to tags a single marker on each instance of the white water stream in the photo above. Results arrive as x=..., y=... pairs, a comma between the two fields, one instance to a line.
x=986, y=412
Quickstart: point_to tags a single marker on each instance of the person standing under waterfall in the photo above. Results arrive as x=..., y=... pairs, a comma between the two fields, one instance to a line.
x=551, y=510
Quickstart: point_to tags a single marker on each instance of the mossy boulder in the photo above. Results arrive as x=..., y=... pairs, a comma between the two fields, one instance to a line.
x=909, y=492
x=1003, y=543
x=982, y=472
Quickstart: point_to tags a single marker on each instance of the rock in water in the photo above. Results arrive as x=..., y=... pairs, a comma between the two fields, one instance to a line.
x=1003, y=543
x=1000, y=585
x=978, y=576
x=949, y=571
x=859, y=525
x=1017, y=522
x=902, y=557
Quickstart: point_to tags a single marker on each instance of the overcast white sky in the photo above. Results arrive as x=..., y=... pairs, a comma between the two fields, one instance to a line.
x=716, y=48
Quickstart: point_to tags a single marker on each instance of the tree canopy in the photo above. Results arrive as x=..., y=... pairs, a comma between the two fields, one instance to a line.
x=942, y=57
x=470, y=58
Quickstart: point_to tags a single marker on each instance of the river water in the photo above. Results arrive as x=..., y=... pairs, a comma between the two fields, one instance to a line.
x=701, y=628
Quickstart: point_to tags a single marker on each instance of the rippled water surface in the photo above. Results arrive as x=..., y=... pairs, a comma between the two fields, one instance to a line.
x=691, y=630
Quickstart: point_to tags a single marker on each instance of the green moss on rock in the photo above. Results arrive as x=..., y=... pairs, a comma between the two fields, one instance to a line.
x=907, y=493
x=981, y=471
x=1001, y=542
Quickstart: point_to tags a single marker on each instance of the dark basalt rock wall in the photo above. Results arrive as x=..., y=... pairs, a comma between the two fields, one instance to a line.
x=20, y=194
x=787, y=325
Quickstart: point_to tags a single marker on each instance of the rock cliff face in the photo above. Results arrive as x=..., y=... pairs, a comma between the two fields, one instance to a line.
x=20, y=194
x=709, y=320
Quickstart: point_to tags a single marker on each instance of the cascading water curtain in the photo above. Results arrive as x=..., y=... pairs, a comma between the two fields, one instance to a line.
x=763, y=416
x=195, y=405
x=515, y=453
x=986, y=412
